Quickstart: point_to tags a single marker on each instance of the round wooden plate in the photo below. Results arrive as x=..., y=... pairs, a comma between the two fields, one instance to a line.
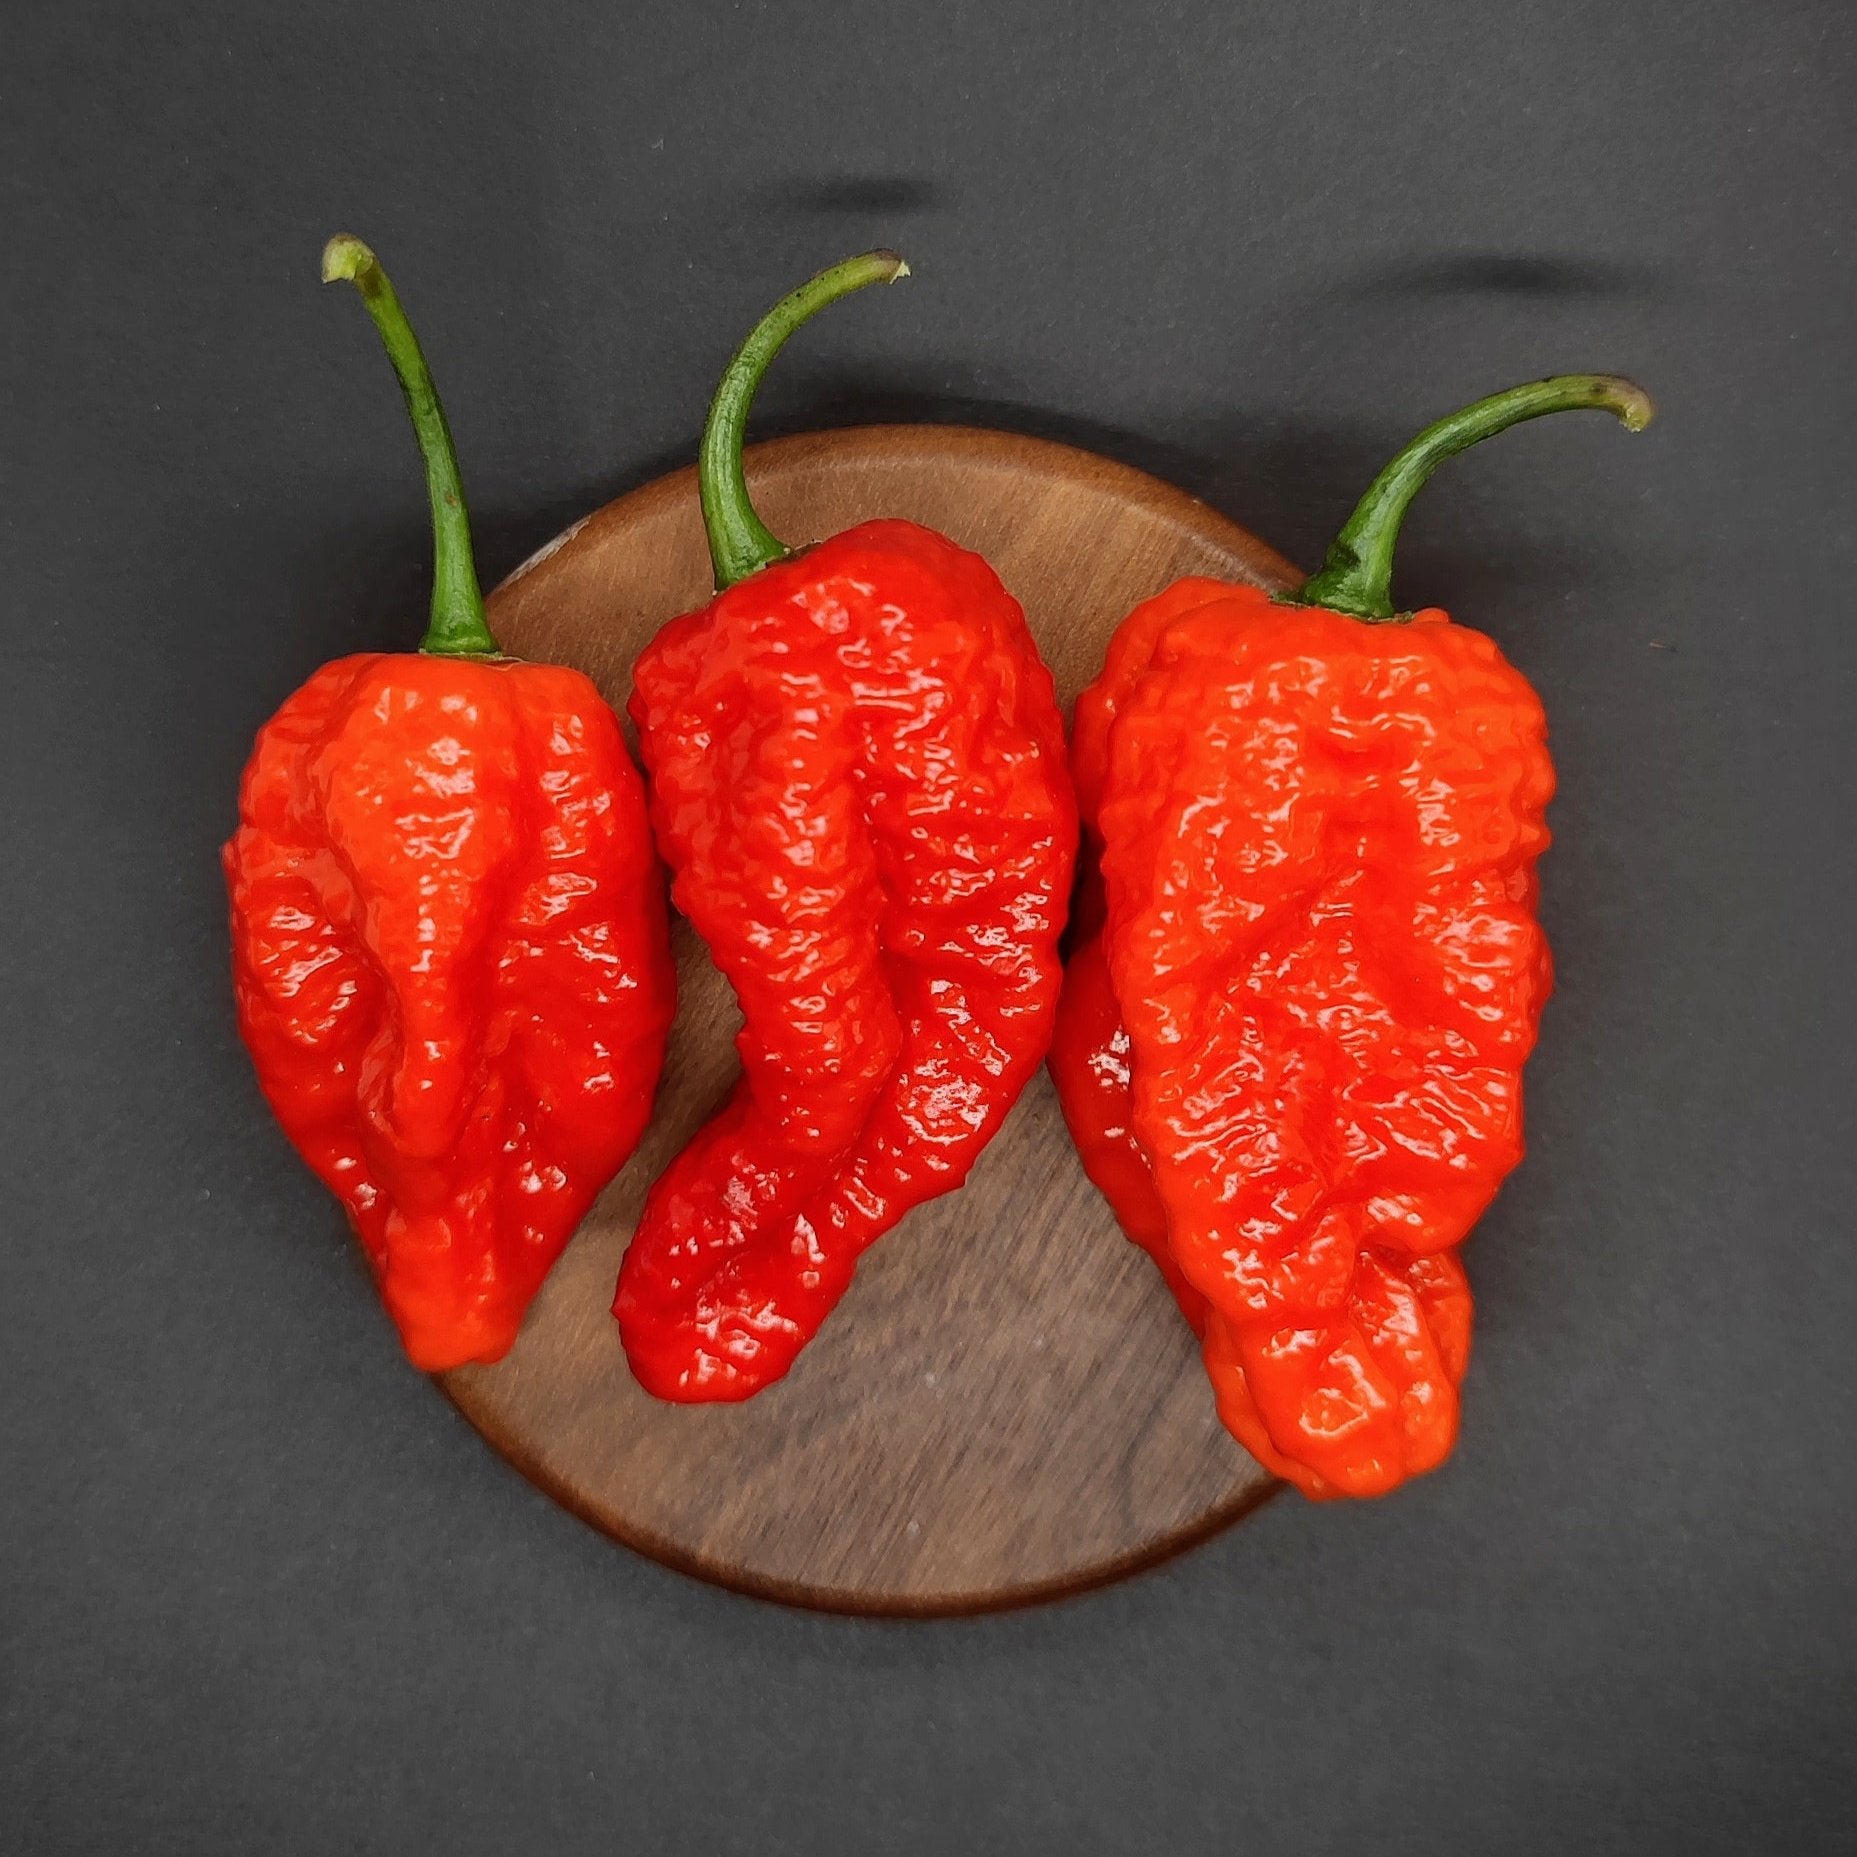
x=1006, y=1406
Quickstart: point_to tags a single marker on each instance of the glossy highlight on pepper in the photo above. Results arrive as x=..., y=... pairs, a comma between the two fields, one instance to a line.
x=858, y=780
x=1291, y=1041
x=450, y=942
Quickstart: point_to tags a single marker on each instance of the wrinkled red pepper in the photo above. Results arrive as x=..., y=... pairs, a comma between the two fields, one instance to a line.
x=858, y=780
x=450, y=942
x=1291, y=1050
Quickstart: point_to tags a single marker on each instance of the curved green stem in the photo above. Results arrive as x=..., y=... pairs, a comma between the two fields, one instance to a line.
x=1357, y=576
x=459, y=628
x=740, y=543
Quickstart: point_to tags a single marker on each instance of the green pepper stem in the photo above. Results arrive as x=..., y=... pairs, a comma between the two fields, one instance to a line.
x=459, y=628
x=1357, y=576
x=740, y=543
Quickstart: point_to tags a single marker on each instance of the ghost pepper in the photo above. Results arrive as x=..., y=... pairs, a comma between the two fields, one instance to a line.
x=1291, y=1040
x=449, y=936
x=858, y=780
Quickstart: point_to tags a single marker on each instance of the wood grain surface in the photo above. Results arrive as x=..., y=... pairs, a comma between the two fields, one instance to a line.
x=1006, y=1406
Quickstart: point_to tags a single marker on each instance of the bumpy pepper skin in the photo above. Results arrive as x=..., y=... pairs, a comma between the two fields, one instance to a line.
x=859, y=783
x=450, y=947
x=860, y=786
x=1319, y=846
x=1292, y=1034
x=1416, y=1335
x=452, y=970
x=1090, y=1066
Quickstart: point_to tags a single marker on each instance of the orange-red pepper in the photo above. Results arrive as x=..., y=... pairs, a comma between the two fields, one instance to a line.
x=1292, y=1054
x=859, y=783
x=450, y=943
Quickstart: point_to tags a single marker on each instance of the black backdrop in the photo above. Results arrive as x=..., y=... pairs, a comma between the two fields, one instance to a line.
x=260, y=1588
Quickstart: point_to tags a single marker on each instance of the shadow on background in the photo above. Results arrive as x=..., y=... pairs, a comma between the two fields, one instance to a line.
x=1509, y=274
x=847, y=193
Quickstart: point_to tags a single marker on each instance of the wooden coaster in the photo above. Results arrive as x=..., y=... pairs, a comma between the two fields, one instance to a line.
x=1006, y=1406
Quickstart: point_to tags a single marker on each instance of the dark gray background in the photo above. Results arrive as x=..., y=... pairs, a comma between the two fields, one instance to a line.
x=260, y=1588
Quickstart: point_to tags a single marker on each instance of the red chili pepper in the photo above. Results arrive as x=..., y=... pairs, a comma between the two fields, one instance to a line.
x=1292, y=1056
x=859, y=783
x=450, y=945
